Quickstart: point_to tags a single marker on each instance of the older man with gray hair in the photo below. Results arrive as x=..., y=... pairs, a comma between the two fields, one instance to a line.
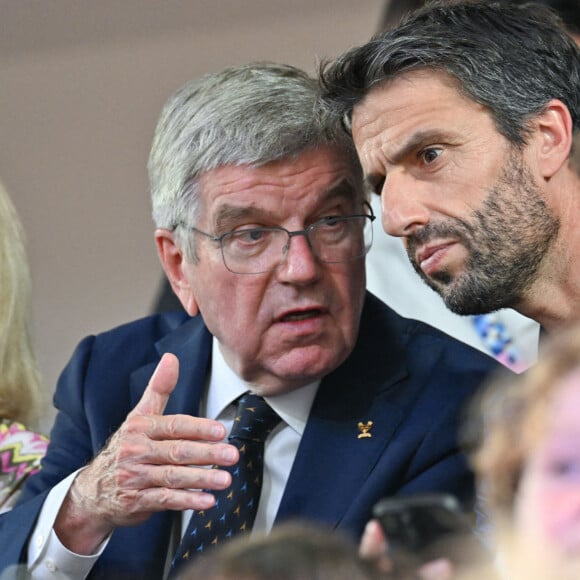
x=331, y=400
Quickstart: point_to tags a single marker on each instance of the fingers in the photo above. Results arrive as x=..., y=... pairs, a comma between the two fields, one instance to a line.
x=144, y=451
x=374, y=546
x=373, y=542
x=174, y=478
x=152, y=463
x=152, y=405
x=153, y=500
x=440, y=569
x=160, y=387
x=171, y=427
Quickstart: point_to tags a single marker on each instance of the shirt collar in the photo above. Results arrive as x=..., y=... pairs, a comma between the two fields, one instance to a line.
x=225, y=387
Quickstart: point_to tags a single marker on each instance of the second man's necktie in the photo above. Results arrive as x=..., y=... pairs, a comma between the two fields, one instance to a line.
x=236, y=506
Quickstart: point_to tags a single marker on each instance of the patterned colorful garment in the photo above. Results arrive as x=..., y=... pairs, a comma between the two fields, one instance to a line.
x=497, y=339
x=20, y=453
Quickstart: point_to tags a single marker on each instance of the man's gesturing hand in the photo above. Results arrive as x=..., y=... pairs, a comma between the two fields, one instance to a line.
x=152, y=463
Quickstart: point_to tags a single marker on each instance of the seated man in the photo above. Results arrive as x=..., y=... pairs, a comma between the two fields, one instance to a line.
x=527, y=458
x=464, y=122
x=262, y=230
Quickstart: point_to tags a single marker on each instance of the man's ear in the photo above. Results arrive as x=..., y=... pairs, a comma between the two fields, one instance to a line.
x=554, y=131
x=175, y=264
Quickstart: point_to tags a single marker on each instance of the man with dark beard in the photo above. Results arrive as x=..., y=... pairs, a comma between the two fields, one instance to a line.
x=463, y=120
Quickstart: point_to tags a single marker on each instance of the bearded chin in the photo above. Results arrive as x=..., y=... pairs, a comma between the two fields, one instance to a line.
x=440, y=281
x=475, y=292
x=470, y=296
x=506, y=239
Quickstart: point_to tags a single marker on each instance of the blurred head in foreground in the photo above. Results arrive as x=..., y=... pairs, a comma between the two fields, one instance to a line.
x=528, y=462
x=297, y=551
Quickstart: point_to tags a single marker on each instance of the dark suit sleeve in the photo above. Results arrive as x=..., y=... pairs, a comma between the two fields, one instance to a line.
x=438, y=463
x=70, y=448
x=421, y=381
x=93, y=398
x=424, y=454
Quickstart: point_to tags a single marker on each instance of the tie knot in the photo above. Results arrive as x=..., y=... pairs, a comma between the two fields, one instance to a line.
x=254, y=420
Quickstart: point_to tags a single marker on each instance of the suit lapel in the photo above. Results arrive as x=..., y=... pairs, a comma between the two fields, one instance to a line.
x=191, y=343
x=333, y=462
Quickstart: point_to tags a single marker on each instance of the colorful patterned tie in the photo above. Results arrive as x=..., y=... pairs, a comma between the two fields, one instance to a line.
x=20, y=453
x=236, y=506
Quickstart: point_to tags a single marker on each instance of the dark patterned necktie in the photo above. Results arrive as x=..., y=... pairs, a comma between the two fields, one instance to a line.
x=236, y=506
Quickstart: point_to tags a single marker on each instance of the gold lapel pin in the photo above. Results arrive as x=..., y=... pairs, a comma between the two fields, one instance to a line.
x=364, y=429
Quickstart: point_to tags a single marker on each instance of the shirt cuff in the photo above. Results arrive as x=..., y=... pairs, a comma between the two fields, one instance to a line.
x=47, y=557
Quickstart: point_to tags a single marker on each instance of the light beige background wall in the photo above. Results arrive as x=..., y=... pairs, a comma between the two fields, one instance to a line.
x=81, y=86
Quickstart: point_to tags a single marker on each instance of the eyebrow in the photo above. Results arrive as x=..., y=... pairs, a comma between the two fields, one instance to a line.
x=345, y=188
x=228, y=214
x=411, y=144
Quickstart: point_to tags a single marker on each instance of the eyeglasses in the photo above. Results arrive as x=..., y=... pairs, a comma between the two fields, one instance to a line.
x=332, y=240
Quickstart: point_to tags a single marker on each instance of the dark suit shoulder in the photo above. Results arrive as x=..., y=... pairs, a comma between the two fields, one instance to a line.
x=133, y=343
x=381, y=324
x=101, y=368
x=153, y=327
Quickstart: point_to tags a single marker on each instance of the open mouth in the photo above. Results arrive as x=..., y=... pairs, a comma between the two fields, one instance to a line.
x=302, y=315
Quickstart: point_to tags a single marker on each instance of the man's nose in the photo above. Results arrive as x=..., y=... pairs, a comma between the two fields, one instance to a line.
x=402, y=209
x=300, y=264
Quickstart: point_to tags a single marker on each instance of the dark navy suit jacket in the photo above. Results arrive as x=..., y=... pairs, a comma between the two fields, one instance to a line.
x=409, y=379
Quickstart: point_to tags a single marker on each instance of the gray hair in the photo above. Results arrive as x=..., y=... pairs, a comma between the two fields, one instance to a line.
x=511, y=59
x=247, y=115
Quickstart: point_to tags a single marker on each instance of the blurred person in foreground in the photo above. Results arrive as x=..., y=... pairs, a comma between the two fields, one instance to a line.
x=294, y=551
x=523, y=433
x=21, y=391
x=528, y=463
x=463, y=117
x=262, y=228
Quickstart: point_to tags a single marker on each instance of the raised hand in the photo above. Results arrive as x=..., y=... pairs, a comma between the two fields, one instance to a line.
x=152, y=463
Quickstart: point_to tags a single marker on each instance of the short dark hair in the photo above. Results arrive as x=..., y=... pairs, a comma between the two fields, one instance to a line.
x=567, y=10
x=511, y=59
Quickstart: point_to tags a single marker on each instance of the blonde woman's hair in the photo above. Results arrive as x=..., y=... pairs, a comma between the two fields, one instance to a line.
x=20, y=385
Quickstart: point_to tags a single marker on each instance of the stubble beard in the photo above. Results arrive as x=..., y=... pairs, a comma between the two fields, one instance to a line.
x=506, y=241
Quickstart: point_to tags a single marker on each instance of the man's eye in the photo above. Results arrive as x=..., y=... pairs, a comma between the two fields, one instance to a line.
x=250, y=236
x=430, y=155
x=329, y=221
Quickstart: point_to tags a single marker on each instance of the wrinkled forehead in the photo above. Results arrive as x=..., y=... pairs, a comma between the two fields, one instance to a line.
x=424, y=75
x=315, y=177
